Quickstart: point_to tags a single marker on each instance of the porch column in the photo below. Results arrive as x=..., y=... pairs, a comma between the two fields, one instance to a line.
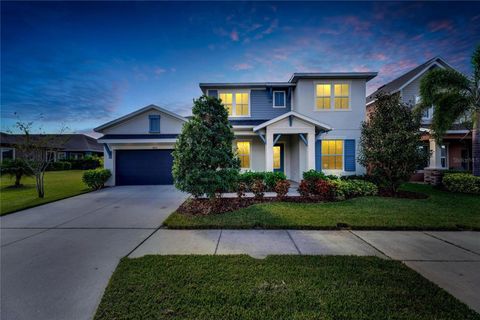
x=269, y=151
x=435, y=155
x=311, y=151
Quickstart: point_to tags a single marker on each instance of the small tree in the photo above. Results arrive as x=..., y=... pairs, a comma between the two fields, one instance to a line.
x=390, y=143
x=35, y=151
x=16, y=168
x=204, y=161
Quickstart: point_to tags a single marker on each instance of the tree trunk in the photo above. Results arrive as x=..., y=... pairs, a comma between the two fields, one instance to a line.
x=18, y=177
x=476, y=144
x=39, y=184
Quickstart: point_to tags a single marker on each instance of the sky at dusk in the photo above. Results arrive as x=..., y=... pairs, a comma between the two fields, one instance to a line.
x=83, y=64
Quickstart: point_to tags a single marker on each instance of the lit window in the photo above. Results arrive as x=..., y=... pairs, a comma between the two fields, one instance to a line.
x=237, y=103
x=279, y=99
x=277, y=163
x=227, y=101
x=332, y=154
x=243, y=151
x=241, y=104
x=341, y=95
x=323, y=96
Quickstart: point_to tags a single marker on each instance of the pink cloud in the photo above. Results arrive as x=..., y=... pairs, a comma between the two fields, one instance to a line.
x=234, y=35
x=435, y=26
x=242, y=66
x=379, y=56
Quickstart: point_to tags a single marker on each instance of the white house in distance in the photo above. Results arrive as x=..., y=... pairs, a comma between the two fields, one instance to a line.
x=311, y=121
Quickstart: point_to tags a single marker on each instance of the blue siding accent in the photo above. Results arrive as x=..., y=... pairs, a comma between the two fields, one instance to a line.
x=318, y=155
x=154, y=123
x=213, y=93
x=349, y=155
x=261, y=105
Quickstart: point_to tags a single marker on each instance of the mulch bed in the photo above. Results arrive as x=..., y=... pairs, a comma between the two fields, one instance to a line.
x=203, y=206
x=222, y=205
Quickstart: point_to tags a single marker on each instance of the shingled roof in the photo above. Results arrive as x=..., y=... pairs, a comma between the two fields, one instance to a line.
x=396, y=84
x=73, y=142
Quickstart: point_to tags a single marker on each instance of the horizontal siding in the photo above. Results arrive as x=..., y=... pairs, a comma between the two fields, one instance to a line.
x=261, y=104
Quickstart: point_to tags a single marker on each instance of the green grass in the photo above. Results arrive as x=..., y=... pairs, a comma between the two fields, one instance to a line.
x=441, y=211
x=279, y=287
x=58, y=185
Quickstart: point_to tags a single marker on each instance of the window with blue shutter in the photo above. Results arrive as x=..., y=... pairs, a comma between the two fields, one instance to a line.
x=318, y=155
x=154, y=123
x=349, y=146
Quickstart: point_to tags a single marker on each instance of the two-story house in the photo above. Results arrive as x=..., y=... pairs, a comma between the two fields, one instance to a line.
x=456, y=149
x=312, y=121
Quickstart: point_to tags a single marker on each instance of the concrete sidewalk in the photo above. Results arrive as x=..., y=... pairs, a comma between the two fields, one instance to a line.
x=449, y=259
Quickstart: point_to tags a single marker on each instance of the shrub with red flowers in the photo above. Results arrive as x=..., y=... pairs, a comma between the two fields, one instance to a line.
x=281, y=188
x=304, y=188
x=324, y=189
x=241, y=188
x=258, y=188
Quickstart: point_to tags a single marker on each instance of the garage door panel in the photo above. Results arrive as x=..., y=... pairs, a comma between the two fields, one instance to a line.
x=143, y=167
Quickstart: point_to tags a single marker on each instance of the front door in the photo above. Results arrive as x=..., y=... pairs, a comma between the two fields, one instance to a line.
x=279, y=157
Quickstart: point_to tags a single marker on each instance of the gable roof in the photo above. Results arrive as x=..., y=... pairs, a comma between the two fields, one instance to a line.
x=294, y=114
x=136, y=113
x=398, y=83
x=69, y=142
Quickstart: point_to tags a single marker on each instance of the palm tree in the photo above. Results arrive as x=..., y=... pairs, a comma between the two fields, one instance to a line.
x=454, y=95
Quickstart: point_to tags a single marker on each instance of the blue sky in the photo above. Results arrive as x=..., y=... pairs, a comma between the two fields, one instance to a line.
x=82, y=64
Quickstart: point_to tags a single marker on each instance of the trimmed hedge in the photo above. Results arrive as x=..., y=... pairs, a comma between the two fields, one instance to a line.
x=86, y=164
x=345, y=189
x=270, y=179
x=313, y=175
x=462, y=182
x=95, y=179
x=59, y=166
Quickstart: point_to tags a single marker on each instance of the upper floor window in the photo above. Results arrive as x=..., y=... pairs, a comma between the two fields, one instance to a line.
x=342, y=95
x=279, y=99
x=237, y=103
x=332, y=154
x=328, y=99
x=154, y=123
x=323, y=96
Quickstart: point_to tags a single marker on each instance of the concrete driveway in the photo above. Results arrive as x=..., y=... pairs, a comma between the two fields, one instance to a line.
x=56, y=259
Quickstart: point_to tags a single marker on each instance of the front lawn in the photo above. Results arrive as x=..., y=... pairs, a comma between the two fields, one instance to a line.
x=58, y=185
x=279, y=287
x=441, y=211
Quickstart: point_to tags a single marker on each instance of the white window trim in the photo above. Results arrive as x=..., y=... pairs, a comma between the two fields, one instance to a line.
x=284, y=99
x=447, y=151
x=234, y=101
x=64, y=155
x=249, y=152
x=334, y=171
x=332, y=95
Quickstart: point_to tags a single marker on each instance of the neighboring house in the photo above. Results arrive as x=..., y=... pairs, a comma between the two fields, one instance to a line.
x=73, y=146
x=456, y=149
x=311, y=121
